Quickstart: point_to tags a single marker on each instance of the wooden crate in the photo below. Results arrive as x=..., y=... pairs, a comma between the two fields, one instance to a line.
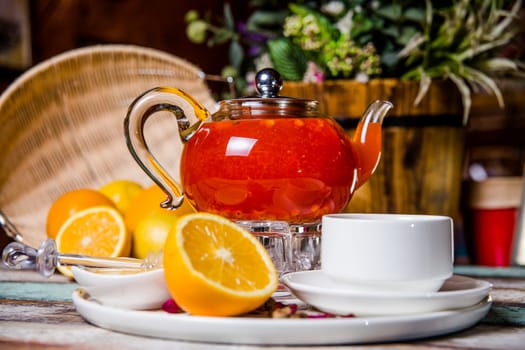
x=423, y=146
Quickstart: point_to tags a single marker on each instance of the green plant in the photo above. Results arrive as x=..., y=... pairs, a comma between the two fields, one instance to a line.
x=461, y=43
x=311, y=40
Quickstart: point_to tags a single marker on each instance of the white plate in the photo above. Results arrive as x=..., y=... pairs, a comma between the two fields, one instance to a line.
x=267, y=331
x=132, y=290
x=320, y=291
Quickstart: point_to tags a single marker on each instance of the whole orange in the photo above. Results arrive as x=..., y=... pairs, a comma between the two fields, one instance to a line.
x=151, y=232
x=147, y=201
x=121, y=192
x=70, y=203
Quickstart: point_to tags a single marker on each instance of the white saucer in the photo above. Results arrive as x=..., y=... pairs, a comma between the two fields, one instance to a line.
x=132, y=290
x=283, y=331
x=320, y=291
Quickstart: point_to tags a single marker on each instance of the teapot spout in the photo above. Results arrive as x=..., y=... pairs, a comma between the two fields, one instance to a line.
x=367, y=139
x=376, y=112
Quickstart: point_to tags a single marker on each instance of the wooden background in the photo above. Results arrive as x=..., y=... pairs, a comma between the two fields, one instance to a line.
x=61, y=25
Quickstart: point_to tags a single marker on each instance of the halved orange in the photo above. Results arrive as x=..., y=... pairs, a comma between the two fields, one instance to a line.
x=96, y=231
x=213, y=267
x=70, y=203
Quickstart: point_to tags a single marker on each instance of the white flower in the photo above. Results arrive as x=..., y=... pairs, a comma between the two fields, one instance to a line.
x=313, y=73
x=374, y=4
x=333, y=8
x=292, y=26
x=345, y=24
x=263, y=61
x=250, y=78
x=362, y=77
x=310, y=26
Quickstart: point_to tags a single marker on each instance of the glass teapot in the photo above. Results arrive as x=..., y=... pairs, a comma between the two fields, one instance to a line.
x=259, y=158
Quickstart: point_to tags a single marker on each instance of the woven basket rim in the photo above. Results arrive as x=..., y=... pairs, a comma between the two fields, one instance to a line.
x=82, y=145
x=88, y=51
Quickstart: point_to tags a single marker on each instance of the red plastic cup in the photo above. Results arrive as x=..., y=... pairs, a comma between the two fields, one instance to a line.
x=494, y=204
x=494, y=231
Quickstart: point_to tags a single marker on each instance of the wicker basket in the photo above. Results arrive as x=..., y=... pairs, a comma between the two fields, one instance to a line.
x=62, y=126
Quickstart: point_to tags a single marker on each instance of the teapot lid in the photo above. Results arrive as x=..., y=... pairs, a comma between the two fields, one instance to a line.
x=268, y=84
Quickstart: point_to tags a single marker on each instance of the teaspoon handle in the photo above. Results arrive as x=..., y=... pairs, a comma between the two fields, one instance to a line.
x=19, y=256
x=105, y=262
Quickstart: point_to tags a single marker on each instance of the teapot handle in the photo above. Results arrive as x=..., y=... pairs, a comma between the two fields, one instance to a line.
x=158, y=99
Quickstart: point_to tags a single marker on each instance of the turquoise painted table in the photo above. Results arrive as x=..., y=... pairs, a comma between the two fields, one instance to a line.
x=37, y=313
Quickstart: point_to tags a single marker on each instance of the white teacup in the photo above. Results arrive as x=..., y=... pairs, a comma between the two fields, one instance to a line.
x=388, y=252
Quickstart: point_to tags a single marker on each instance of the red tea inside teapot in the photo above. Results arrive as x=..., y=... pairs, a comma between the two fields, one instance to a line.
x=261, y=158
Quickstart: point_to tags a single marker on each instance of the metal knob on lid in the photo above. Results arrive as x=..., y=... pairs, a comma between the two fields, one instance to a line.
x=268, y=103
x=268, y=82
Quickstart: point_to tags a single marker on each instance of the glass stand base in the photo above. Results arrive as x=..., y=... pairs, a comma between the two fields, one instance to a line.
x=292, y=247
